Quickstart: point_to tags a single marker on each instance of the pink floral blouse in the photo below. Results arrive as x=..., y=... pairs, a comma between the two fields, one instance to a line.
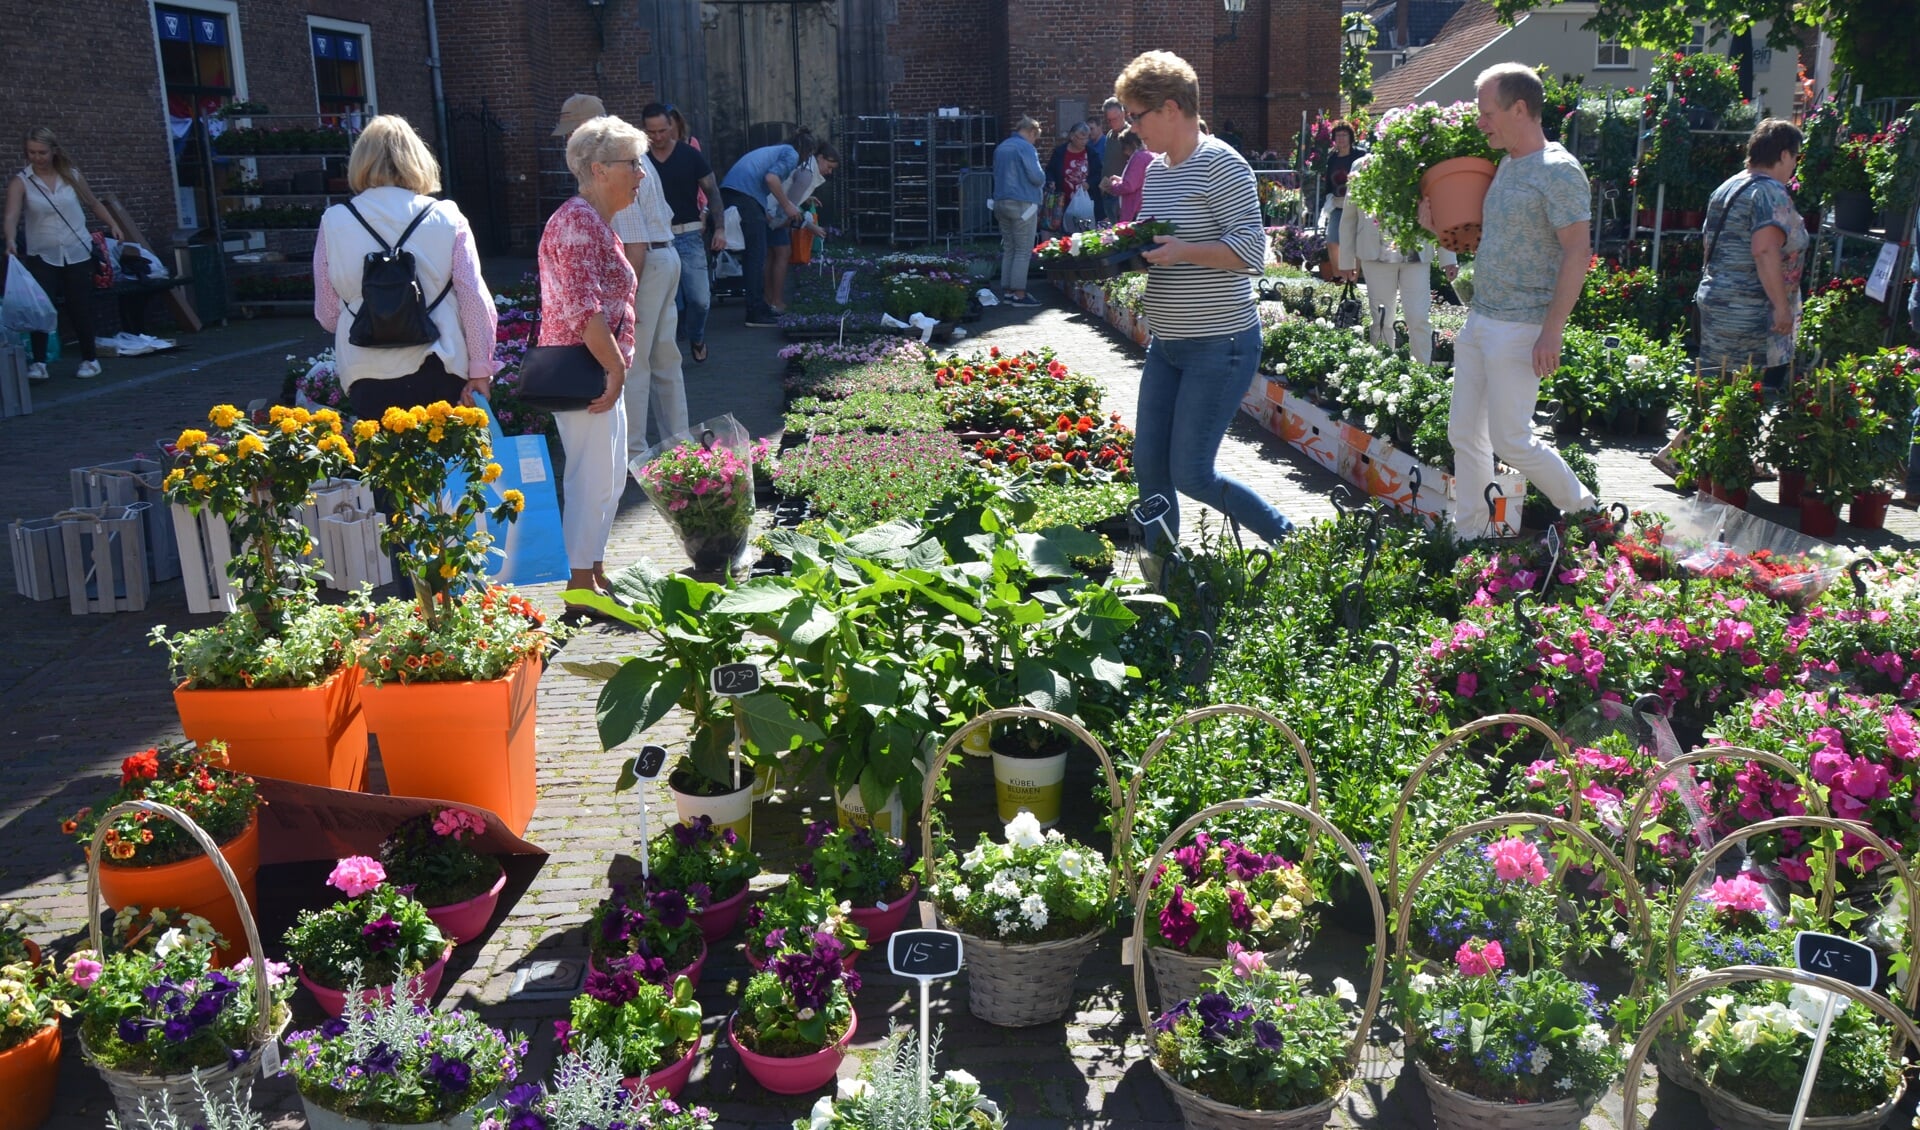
x=583, y=270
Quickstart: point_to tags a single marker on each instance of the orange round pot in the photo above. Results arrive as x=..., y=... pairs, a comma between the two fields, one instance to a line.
x=314, y=735
x=470, y=742
x=28, y=1073
x=1456, y=190
x=194, y=885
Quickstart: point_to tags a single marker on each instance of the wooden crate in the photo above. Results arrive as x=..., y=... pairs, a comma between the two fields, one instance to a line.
x=205, y=548
x=16, y=392
x=350, y=546
x=39, y=558
x=106, y=554
x=124, y=483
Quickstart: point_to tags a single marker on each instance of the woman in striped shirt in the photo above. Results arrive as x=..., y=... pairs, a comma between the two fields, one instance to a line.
x=1199, y=302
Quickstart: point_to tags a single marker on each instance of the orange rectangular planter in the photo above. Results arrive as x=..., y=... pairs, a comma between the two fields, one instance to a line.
x=466, y=742
x=314, y=735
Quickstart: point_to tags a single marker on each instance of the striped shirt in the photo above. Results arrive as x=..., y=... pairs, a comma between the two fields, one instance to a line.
x=1209, y=196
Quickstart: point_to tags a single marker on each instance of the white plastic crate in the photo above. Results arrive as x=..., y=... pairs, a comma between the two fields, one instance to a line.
x=39, y=558
x=106, y=558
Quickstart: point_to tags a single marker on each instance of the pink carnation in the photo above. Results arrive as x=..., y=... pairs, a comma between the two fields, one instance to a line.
x=1479, y=959
x=356, y=875
x=1739, y=894
x=1516, y=859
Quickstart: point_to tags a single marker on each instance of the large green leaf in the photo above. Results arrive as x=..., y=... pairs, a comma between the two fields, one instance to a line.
x=602, y=603
x=598, y=670
x=772, y=726
x=1042, y=686
x=806, y=623
x=709, y=748
x=760, y=595
x=636, y=697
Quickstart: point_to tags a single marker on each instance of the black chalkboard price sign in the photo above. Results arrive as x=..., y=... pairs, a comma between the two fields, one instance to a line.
x=1842, y=959
x=649, y=761
x=1151, y=509
x=924, y=954
x=734, y=679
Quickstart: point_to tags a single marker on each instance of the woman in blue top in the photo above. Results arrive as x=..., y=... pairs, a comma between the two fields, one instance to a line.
x=1017, y=181
x=748, y=182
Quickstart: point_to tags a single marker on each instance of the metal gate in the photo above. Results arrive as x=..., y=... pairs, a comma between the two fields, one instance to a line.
x=476, y=174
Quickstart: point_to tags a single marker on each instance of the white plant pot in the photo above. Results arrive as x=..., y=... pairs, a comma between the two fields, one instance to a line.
x=730, y=810
x=889, y=821
x=1029, y=784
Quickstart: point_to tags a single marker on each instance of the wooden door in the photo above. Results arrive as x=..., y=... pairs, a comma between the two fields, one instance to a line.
x=772, y=65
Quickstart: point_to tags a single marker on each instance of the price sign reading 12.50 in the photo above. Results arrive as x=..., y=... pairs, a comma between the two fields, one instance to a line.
x=734, y=679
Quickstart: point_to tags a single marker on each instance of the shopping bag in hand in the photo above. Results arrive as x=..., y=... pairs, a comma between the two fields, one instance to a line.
x=530, y=549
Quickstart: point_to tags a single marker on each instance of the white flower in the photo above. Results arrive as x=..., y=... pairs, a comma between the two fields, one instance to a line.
x=1343, y=990
x=1565, y=1083
x=960, y=892
x=956, y=1075
x=1637, y=361
x=1619, y=940
x=1035, y=908
x=168, y=942
x=1593, y=1038
x=1537, y=1062
x=849, y=1089
x=973, y=860
x=1023, y=831
x=1421, y=982
x=1001, y=887
x=1070, y=864
x=821, y=1116
x=1809, y=1001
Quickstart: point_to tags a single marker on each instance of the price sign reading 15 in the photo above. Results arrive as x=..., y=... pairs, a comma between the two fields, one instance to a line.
x=734, y=679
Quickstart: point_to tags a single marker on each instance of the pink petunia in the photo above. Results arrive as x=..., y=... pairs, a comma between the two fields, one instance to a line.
x=1739, y=894
x=1467, y=685
x=1517, y=860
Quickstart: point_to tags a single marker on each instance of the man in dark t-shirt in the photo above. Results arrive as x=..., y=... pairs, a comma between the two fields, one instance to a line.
x=683, y=174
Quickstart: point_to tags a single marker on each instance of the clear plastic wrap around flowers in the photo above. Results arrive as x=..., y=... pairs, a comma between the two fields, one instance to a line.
x=702, y=483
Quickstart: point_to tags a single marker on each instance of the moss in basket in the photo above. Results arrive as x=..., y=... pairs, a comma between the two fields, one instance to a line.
x=1259, y=1039
x=646, y=1026
x=193, y=779
x=432, y=855
x=377, y=935
x=1036, y=887
x=803, y=1004
x=651, y=935
x=709, y=865
x=157, y=1006
x=796, y=916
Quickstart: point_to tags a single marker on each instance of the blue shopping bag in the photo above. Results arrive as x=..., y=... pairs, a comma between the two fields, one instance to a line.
x=530, y=550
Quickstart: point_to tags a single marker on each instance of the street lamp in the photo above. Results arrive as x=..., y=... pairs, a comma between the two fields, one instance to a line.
x=1234, y=8
x=1356, y=31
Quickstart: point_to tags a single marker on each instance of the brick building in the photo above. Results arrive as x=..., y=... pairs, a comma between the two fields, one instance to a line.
x=120, y=80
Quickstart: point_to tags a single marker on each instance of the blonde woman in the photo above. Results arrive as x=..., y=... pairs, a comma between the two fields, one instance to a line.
x=586, y=298
x=49, y=192
x=392, y=173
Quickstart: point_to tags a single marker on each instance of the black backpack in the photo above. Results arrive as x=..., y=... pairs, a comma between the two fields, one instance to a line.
x=394, y=313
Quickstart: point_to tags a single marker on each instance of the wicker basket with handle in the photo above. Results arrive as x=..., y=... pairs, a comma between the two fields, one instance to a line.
x=1199, y=1111
x=1178, y=975
x=1454, y=1109
x=182, y=1092
x=1021, y=984
x=1670, y=1051
x=1731, y=1113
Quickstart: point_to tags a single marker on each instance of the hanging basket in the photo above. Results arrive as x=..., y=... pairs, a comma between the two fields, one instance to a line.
x=1199, y=1111
x=182, y=1092
x=1021, y=984
x=1732, y=1113
x=1643, y=804
x=1456, y=1110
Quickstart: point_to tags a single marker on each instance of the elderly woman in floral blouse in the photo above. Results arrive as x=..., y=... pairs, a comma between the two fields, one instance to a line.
x=586, y=296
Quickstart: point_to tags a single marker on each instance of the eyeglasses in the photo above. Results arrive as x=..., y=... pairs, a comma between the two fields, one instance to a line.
x=630, y=162
x=1133, y=116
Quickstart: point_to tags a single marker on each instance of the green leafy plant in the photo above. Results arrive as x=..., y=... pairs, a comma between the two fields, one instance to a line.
x=586, y=1094
x=1037, y=886
x=943, y=300
x=1356, y=68
x=1408, y=141
x=431, y=855
x=376, y=936
x=865, y=411
x=193, y=779
x=1724, y=431
x=162, y=1008
x=1704, y=82
x=1833, y=428
x=802, y=1004
x=401, y=1061
x=477, y=637
x=795, y=917
x=1841, y=321
x=862, y=480
x=710, y=866
x=640, y=933
x=856, y=866
x=887, y=1095
x=1532, y=1037
x=14, y=924
x=1755, y=1042
x=642, y=1027
x=311, y=642
x=1261, y=1039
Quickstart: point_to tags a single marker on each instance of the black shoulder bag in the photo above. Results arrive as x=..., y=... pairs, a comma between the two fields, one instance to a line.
x=562, y=378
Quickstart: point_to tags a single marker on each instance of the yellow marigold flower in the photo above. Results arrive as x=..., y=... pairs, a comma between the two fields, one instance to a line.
x=472, y=417
x=174, y=478
x=448, y=570
x=514, y=499
x=436, y=433
x=278, y=413
x=289, y=425
x=309, y=546
x=220, y=458
x=190, y=439
x=438, y=411
x=326, y=416
x=201, y=482
x=396, y=420
x=248, y=445
x=419, y=414
x=224, y=416
x=300, y=414
x=365, y=429
x=207, y=449
x=491, y=473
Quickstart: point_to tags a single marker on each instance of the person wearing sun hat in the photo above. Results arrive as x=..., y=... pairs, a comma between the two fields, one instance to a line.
x=575, y=110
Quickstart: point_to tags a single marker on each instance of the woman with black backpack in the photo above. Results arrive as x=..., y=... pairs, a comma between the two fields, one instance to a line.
x=396, y=280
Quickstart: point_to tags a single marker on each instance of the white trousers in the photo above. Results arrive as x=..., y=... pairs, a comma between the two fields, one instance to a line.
x=654, y=377
x=1494, y=392
x=596, y=448
x=1411, y=285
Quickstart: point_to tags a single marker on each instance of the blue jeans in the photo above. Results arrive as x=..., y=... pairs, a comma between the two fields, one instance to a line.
x=1190, y=389
x=695, y=298
x=753, y=258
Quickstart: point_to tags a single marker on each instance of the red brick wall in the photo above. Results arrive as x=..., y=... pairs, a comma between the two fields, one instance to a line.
x=88, y=69
x=947, y=43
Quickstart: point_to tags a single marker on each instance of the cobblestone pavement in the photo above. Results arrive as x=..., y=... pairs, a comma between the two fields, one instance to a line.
x=78, y=693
